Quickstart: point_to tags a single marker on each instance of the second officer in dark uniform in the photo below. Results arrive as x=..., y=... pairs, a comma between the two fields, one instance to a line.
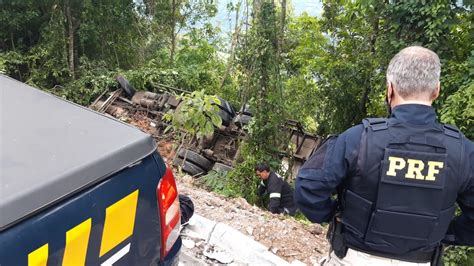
x=398, y=179
x=279, y=191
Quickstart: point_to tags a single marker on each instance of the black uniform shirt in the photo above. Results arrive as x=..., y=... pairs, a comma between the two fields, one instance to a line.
x=280, y=194
x=337, y=159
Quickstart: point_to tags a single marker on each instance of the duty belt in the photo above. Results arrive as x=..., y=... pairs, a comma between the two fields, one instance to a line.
x=340, y=246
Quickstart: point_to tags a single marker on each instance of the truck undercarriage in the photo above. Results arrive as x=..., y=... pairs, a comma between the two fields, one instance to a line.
x=220, y=150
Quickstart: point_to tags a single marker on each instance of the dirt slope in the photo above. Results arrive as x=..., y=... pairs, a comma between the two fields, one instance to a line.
x=283, y=235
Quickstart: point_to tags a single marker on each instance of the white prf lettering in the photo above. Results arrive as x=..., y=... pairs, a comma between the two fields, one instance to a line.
x=396, y=163
x=433, y=168
x=415, y=167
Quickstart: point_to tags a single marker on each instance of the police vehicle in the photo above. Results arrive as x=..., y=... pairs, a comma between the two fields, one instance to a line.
x=80, y=188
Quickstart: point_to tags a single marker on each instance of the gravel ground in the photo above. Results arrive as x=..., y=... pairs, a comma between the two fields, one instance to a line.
x=283, y=235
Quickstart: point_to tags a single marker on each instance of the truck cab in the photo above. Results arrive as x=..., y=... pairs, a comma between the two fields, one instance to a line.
x=80, y=188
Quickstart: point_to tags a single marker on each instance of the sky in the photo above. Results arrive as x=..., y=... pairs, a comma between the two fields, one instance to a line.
x=312, y=7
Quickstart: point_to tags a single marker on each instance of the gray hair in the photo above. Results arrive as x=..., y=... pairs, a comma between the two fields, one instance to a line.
x=414, y=71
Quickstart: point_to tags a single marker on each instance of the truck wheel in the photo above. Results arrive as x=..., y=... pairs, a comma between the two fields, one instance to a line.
x=226, y=111
x=186, y=206
x=241, y=120
x=126, y=86
x=195, y=158
x=188, y=167
x=227, y=107
x=162, y=100
x=220, y=167
x=226, y=118
x=245, y=109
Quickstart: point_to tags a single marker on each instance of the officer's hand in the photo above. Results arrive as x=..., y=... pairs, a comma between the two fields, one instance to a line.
x=261, y=188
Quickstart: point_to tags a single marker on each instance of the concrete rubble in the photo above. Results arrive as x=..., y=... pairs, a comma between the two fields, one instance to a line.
x=223, y=244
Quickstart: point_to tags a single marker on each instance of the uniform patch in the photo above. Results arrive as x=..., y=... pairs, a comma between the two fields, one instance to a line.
x=275, y=195
x=409, y=167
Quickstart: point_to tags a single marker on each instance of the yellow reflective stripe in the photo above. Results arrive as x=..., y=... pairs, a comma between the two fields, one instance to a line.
x=38, y=257
x=119, y=222
x=275, y=195
x=77, y=240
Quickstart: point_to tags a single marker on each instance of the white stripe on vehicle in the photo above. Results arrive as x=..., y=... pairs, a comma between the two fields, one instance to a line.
x=275, y=195
x=117, y=256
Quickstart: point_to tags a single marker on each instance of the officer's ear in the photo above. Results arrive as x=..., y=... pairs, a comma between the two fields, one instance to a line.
x=389, y=94
x=435, y=93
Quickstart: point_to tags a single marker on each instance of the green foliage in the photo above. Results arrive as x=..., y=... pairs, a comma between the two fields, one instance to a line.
x=462, y=256
x=12, y=63
x=343, y=73
x=299, y=216
x=198, y=63
x=221, y=183
x=18, y=18
x=47, y=61
x=2, y=64
x=458, y=108
x=197, y=114
x=244, y=177
x=111, y=31
x=95, y=79
x=305, y=43
x=197, y=66
x=110, y=37
x=259, y=60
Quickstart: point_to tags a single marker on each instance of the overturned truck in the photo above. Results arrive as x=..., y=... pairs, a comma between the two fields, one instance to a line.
x=218, y=152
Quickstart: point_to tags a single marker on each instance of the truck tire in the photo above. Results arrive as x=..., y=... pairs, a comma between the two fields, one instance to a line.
x=195, y=158
x=228, y=107
x=186, y=206
x=226, y=111
x=245, y=109
x=220, y=167
x=188, y=167
x=126, y=86
x=242, y=120
x=226, y=118
x=163, y=99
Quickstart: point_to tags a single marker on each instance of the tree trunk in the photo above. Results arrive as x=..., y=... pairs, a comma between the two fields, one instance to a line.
x=173, y=31
x=151, y=8
x=280, y=42
x=13, y=41
x=282, y=26
x=232, y=47
x=70, y=33
x=364, y=100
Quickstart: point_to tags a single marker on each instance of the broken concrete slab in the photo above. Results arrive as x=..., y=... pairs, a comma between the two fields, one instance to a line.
x=188, y=243
x=243, y=249
x=215, y=253
x=199, y=227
